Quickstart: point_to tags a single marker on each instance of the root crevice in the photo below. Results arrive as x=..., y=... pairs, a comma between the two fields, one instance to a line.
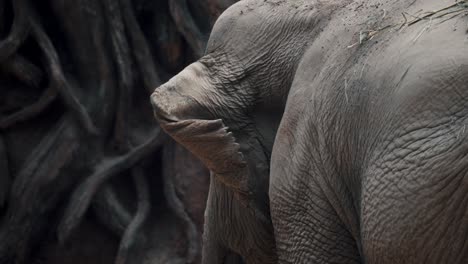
x=143, y=208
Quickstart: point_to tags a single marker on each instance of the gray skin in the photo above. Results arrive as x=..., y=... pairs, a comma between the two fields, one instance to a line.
x=368, y=141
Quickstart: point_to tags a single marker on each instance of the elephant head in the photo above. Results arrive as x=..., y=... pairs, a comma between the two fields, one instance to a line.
x=186, y=107
x=225, y=108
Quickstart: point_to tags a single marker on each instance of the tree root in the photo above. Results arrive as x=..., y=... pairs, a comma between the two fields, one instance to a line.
x=35, y=192
x=64, y=161
x=187, y=27
x=48, y=146
x=23, y=70
x=124, y=63
x=140, y=48
x=19, y=30
x=82, y=196
x=110, y=212
x=193, y=243
x=58, y=79
x=30, y=111
x=143, y=209
x=5, y=173
x=169, y=45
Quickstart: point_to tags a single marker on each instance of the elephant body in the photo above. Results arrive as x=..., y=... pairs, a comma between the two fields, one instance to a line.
x=335, y=131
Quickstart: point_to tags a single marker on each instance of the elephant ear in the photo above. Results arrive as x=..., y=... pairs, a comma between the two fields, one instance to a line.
x=215, y=146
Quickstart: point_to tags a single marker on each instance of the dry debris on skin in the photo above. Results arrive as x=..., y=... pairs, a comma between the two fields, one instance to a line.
x=455, y=10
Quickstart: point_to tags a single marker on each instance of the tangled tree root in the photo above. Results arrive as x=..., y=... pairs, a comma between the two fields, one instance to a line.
x=81, y=198
x=94, y=67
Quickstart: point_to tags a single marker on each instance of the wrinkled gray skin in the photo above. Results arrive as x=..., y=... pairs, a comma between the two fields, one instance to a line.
x=368, y=142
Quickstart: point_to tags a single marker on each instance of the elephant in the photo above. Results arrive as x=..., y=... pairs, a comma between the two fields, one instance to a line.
x=335, y=131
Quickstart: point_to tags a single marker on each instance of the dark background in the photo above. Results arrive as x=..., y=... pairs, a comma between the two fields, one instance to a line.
x=86, y=175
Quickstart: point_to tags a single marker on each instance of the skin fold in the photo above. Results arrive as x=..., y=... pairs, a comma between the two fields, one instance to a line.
x=334, y=132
